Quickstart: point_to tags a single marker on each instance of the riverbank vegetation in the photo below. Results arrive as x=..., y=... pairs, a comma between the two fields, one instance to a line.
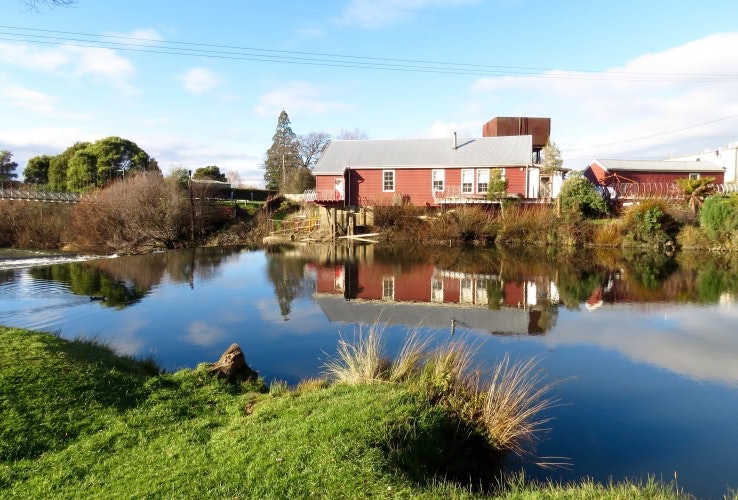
x=651, y=224
x=78, y=421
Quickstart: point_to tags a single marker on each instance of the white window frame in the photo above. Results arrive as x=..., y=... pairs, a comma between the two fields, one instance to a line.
x=437, y=290
x=388, y=288
x=467, y=187
x=694, y=176
x=438, y=180
x=482, y=174
x=386, y=180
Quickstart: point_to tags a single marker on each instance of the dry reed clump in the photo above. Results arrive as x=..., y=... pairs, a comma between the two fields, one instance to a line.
x=464, y=223
x=361, y=361
x=515, y=396
x=693, y=237
x=507, y=407
x=528, y=225
x=609, y=235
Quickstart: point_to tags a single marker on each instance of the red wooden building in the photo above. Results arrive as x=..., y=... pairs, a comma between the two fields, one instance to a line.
x=425, y=172
x=642, y=176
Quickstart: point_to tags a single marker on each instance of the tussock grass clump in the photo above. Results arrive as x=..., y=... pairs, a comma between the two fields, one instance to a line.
x=609, y=235
x=464, y=224
x=505, y=407
x=528, y=225
x=515, y=396
x=361, y=361
x=309, y=385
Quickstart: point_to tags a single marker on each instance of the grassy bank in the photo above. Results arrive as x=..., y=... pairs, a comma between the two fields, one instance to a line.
x=76, y=421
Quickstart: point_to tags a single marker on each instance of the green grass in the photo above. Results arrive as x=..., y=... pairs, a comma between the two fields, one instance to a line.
x=76, y=421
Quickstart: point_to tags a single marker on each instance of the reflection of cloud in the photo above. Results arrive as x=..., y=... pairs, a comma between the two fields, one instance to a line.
x=303, y=319
x=203, y=335
x=124, y=340
x=693, y=341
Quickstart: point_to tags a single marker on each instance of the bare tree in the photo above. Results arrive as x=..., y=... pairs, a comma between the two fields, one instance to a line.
x=35, y=4
x=311, y=146
x=352, y=135
x=234, y=178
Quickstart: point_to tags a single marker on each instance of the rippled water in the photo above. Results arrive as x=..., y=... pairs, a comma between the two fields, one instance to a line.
x=645, y=346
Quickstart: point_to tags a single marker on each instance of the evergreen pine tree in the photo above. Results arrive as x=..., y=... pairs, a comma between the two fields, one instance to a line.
x=282, y=162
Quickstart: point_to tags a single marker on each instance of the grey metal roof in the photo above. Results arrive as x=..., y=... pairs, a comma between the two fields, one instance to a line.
x=660, y=166
x=507, y=320
x=418, y=153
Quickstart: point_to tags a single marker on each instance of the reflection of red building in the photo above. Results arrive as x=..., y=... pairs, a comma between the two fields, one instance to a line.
x=417, y=293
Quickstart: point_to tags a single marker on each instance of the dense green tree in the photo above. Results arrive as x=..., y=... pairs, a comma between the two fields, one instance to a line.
x=719, y=216
x=116, y=157
x=37, y=170
x=283, y=157
x=7, y=166
x=59, y=164
x=210, y=172
x=579, y=196
x=82, y=171
x=182, y=176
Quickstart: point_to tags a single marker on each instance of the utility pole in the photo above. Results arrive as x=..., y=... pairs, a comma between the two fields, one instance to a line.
x=192, y=209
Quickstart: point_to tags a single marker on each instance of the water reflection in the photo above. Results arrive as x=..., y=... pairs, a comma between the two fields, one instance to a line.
x=646, y=342
x=125, y=281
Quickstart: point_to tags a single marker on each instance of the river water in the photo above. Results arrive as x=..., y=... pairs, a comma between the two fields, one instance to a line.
x=645, y=346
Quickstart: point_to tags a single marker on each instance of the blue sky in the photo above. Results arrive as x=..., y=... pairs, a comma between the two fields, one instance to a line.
x=625, y=79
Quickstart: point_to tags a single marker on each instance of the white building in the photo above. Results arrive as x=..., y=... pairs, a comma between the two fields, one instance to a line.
x=725, y=156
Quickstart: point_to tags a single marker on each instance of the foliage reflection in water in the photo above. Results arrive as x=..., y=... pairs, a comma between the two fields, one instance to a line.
x=645, y=341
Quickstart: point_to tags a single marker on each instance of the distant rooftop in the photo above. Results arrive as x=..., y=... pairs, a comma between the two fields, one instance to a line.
x=420, y=153
x=659, y=165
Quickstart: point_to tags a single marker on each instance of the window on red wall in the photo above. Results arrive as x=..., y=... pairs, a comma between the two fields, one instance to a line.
x=439, y=178
x=388, y=180
x=467, y=181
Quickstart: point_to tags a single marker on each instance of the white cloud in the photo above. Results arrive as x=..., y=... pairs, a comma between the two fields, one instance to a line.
x=652, y=94
x=297, y=97
x=72, y=61
x=28, y=99
x=376, y=13
x=440, y=129
x=199, y=80
x=203, y=335
x=44, y=139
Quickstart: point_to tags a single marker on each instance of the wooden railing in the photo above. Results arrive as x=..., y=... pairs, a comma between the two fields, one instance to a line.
x=46, y=196
x=296, y=225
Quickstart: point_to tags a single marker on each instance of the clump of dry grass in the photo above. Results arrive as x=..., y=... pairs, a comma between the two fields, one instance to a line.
x=515, y=397
x=609, y=235
x=361, y=361
x=410, y=358
x=507, y=407
x=311, y=385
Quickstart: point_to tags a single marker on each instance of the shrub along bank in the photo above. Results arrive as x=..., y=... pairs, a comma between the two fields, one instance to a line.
x=76, y=421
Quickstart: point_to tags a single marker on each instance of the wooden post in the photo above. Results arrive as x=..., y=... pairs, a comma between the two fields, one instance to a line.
x=192, y=209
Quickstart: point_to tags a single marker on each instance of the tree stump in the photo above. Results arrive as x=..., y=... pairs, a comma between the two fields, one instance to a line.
x=232, y=365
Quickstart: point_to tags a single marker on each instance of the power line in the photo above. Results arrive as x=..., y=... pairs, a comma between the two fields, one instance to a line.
x=652, y=135
x=233, y=52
